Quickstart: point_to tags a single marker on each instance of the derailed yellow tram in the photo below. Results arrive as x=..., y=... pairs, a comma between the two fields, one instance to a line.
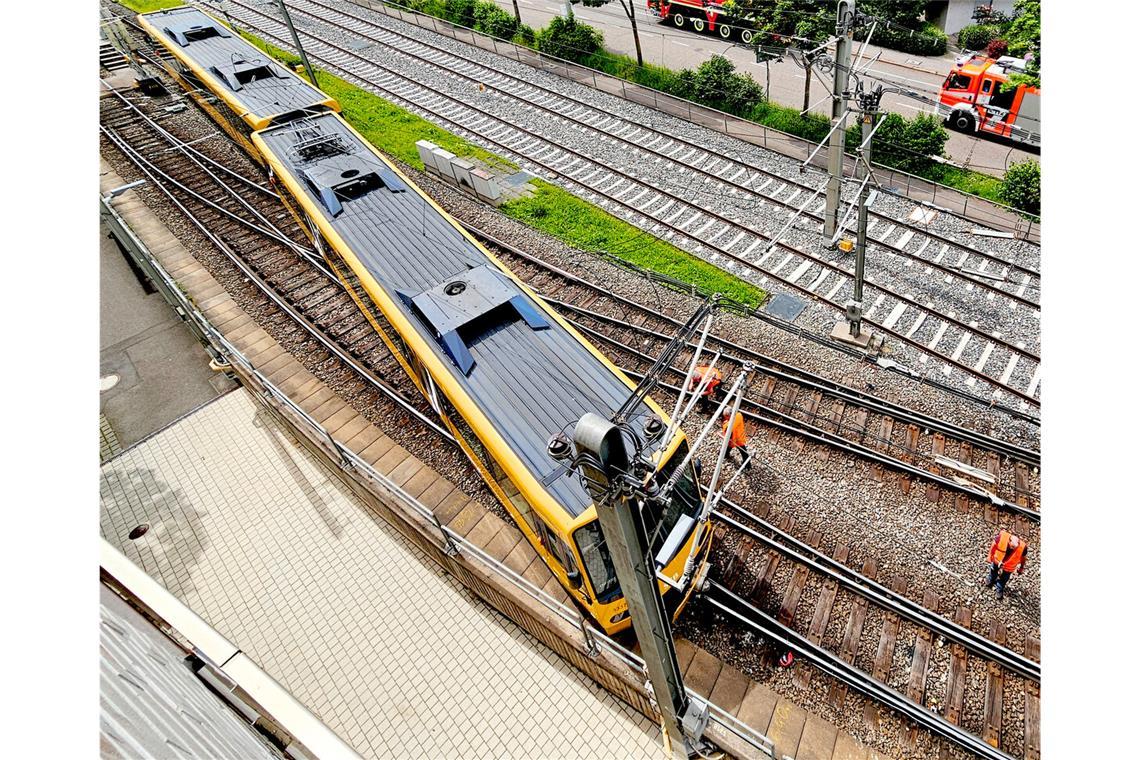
x=507, y=375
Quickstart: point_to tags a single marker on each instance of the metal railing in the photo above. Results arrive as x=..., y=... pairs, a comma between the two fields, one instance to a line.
x=918, y=189
x=451, y=542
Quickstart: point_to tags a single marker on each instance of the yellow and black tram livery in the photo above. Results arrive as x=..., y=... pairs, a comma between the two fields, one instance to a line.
x=508, y=376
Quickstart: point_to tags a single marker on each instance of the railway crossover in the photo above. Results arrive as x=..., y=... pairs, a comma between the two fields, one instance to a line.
x=236, y=209
x=913, y=310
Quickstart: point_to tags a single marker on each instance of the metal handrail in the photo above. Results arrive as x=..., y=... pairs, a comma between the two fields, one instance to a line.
x=451, y=540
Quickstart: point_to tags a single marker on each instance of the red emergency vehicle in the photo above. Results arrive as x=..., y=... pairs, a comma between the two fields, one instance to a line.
x=700, y=15
x=973, y=99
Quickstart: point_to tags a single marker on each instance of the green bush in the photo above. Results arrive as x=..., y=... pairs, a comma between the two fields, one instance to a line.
x=929, y=40
x=460, y=12
x=811, y=126
x=909, y=145
x=1021, y=186
x=716, y=84
x=976, y=37
x=493, y=20
x=524, y=36
x=566, y=38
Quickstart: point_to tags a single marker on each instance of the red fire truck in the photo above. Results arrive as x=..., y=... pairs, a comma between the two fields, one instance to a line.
x=700, y=15
x=974, y=99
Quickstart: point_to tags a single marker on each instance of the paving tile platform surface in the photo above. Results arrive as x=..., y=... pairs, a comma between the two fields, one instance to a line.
x=253, y=533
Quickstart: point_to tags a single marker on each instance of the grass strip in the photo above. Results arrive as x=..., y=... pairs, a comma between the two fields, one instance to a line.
x=149, y=6
x=584, y=225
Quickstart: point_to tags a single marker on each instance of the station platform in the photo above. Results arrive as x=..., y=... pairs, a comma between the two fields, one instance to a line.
x=252, y=532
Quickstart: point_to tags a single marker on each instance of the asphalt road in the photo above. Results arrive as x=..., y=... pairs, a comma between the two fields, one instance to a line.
x=667, y=45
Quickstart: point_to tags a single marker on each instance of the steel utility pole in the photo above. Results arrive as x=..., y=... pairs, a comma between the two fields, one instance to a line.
x=852, y=332
x=297, y=42
x=618, y=497
x=855, y=305
x=844, y=27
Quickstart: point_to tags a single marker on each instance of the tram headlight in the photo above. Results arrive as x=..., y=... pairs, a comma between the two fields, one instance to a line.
x=619, y=617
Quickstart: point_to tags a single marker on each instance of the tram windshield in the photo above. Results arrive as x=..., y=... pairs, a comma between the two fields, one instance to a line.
x=660, y=518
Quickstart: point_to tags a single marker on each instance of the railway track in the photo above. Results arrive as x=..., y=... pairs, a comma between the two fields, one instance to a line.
x=248, y=223
x=936, y=674
x=234, y=207
x=786, y=399
x=680, y=150
x=955, y=341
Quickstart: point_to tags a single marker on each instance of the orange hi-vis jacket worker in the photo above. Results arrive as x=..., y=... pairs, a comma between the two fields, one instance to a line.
x=699, y=376
x=1008, y=551
x=1007, y=556
x=738, y=438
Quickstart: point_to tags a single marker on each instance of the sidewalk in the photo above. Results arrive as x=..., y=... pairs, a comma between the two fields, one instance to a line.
x=252, y=533
x=152, y=369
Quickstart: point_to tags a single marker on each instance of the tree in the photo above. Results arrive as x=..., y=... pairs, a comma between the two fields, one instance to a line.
x=906, y=13
x=629, y=7
x=565, y=38
x=1024, y=38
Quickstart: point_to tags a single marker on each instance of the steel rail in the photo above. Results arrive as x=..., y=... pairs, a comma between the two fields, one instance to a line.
x=262, y=223
x=964, y=327
x=935, y=265
x=380, y=385
x=642, y=127
x=1028, y=455
x=818, y=435
x=742, y=610
x=270, y=231
x=880, y=594
x=788, y=422
x=806, y=379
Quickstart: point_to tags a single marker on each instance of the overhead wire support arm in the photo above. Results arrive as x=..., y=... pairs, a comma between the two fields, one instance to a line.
x=824, y=141
x=674, y=422
x=653, y=376
x=712, y=493
x=799, y=212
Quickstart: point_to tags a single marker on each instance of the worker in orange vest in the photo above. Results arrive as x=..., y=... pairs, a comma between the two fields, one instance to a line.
x=738, y=439
x=1007, y=556
x=698, y=377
